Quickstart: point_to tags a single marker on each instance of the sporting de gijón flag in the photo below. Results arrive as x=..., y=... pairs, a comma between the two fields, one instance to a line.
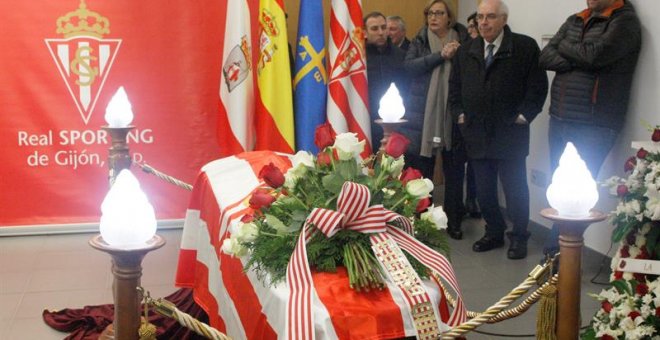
x=348, y=108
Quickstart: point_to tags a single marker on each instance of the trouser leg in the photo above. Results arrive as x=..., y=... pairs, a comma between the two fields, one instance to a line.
x=452, y=164
x=485, y=173
x=513, y=175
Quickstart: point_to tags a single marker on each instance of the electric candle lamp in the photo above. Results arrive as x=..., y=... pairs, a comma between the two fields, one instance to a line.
x=573, y=192
x=128, y=219
x=391, y=105
x=118, y=113
x=572, y=195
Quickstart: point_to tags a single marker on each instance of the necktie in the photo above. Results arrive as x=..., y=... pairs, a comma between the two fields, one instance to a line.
x=489, y=57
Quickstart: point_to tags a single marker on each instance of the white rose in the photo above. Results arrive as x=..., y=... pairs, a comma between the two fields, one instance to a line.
x=348, y=146
x=421, y=187
x=302, y=158
x=247, y=232
x=299, y=164
x=435, y=215
x=231, y=246
x=392, y=166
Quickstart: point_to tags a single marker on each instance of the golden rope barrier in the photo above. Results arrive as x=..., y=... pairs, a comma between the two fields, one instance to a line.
x=150, y=170
x=496, y=312
x=168, y=309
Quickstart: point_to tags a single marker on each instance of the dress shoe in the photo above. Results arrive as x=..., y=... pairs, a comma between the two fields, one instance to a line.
x=487, y=243
x=517, y=249
x=455, y=233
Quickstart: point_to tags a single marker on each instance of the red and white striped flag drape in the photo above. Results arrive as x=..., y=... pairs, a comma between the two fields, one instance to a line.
x=236, y=132
x=348, y=108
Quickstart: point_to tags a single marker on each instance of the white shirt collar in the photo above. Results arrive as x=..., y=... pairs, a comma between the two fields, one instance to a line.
x=497, y=42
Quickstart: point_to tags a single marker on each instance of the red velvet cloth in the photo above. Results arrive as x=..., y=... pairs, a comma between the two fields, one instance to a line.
x=88, y=322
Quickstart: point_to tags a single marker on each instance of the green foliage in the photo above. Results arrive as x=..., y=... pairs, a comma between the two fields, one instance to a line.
x=589, y=334
x=280, y=225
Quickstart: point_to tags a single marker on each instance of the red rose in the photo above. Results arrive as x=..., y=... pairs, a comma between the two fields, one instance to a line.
x=247, y=218
x=606, y=337
x=409, y=174
x=396, y=145
x=630, y=164
x=607, y=306
x=324, y=136
x=643, y=254
x=639, y=276
x=634, y=314
x=272, y=175
x=657, y=312
x=261, y=199
x=423, y=204
x=323, y=159
x=642, y=289
x=641, y=153
x=621, y=190
x=618, y=275
x=625, y=251
x=656, y=135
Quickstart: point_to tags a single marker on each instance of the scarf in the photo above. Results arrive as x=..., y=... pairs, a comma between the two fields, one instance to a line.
x=437, y=121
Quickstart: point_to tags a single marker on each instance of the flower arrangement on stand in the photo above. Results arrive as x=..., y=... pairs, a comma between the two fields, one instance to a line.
x=630, y=308
x=283, y=205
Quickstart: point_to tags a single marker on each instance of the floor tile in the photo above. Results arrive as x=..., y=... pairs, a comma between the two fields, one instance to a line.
x=9, y=305
x=14, y=282
x=67, y=279
x=32, y=328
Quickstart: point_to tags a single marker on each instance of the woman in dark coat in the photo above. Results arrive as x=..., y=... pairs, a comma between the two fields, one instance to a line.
x=430, y=127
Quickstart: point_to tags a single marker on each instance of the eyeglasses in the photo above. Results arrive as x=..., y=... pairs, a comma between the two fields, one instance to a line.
x=432, y=14
x=489, y=16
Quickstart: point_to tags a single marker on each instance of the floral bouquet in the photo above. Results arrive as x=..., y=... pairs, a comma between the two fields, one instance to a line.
x=630, y=309
x=288, y=202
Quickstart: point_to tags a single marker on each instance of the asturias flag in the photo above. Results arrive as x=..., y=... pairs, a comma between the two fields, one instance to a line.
x=274, y=114
x=310, y=80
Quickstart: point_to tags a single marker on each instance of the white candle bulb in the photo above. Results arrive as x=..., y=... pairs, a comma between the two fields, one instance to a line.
x=127, y=218
x=573, y=191
x=391, y=105
x=119, y=114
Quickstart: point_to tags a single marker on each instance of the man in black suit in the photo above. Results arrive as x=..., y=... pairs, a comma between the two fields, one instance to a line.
x=495, y=91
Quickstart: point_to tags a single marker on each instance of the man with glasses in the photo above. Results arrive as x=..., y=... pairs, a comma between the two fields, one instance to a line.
x=594, y=55
x=495, y=91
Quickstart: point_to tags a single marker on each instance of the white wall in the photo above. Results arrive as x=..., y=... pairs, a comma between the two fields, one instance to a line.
x=537, y=18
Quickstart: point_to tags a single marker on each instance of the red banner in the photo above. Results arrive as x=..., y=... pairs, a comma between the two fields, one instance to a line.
x=62, y=61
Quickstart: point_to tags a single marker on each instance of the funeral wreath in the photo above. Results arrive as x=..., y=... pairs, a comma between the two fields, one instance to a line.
x=282, y=206
x=630, y=308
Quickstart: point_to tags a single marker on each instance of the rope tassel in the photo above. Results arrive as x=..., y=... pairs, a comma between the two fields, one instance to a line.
x=547, y=314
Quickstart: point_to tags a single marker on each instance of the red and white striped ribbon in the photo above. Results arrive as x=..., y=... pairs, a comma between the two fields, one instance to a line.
x=353, y=213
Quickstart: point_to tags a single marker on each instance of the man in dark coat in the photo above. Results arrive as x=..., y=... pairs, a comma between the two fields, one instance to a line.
x=495, y=91
x=384, y=66
x=594, y=55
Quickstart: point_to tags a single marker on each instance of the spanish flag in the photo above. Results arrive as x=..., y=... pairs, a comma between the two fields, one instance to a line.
x=274, y=106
